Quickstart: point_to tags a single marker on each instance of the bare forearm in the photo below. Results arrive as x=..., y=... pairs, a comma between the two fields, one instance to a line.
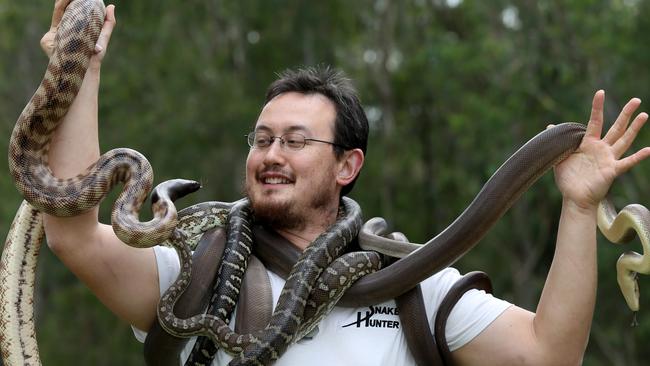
x=89, y=249
x=557, y=334
x=565, y=310
x=74, y=147
x=122, y=277
x=75, y=144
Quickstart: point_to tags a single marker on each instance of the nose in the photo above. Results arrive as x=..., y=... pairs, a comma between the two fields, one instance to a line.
x=274, y=154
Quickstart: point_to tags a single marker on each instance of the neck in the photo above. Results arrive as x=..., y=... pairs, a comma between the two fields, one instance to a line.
x=305, y=235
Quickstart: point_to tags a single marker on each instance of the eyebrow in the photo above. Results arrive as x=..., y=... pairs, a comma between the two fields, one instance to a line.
x=292, y=128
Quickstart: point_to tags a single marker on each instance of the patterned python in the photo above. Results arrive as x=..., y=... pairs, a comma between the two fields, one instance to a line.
x=30, y=140
x=302, y=305
x=28, y=163
x=17, y=274
x=287, y=319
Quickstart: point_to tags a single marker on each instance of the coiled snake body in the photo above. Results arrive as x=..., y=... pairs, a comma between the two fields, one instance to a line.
x=287, y=319
x=301, y=306
x=28, y=164
x=31, y=137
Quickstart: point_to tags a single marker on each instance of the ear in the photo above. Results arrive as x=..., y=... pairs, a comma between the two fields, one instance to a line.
x=349, y=166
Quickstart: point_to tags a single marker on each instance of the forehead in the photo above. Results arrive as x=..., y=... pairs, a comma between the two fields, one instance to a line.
x=312, y=114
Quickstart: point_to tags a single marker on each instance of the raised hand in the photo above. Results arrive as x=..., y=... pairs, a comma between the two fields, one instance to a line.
x=47, y=41
x=586, y=175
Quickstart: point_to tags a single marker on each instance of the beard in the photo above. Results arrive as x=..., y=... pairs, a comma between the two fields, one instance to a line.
x=289, y=214
x=277, y=215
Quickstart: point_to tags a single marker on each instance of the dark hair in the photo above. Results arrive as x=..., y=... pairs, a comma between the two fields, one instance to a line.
x=351, y=125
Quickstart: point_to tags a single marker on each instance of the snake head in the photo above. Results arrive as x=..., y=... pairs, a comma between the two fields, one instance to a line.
x=173, y=189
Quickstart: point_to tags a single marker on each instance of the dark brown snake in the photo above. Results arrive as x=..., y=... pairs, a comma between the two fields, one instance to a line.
x=28, y=162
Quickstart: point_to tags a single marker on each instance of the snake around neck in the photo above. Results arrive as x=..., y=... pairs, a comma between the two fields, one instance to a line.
x=287, y=319
x=301, y=306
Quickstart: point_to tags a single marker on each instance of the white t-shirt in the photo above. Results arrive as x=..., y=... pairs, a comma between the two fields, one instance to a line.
x=362, y=336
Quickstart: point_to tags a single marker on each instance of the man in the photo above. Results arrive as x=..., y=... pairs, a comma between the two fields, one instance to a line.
x=295, y=189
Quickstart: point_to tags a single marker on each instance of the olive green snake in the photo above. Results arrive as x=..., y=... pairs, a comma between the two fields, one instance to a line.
x=43, y=192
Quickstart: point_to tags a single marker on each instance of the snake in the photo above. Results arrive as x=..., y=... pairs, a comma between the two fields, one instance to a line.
x=230, y=274
x=621, y=227
x=45, y=193
x=30, y=140
x=17, y=274
x=267, y=345
x=495, y=198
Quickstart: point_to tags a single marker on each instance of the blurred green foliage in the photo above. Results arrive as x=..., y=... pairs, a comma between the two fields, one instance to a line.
x=451, y=89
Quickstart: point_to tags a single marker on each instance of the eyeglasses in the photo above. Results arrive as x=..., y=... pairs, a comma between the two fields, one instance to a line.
x=293, y=141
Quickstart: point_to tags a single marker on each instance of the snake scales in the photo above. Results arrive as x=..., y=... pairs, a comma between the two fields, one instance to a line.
x=28, y=164
x=66, y=197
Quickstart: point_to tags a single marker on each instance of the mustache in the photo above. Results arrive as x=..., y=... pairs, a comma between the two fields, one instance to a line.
x=275, y=170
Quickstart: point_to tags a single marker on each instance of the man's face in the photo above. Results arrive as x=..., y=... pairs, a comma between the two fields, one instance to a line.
x=286, y=187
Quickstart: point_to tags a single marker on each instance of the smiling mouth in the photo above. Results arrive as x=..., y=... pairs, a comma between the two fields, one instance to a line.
x=272, y=177
x=275, y=180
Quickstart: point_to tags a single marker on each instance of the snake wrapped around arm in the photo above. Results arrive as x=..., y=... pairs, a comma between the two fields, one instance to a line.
x=44, y=193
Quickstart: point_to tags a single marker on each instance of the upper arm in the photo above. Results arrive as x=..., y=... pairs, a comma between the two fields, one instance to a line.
x=124, y=278
x=508, y=340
